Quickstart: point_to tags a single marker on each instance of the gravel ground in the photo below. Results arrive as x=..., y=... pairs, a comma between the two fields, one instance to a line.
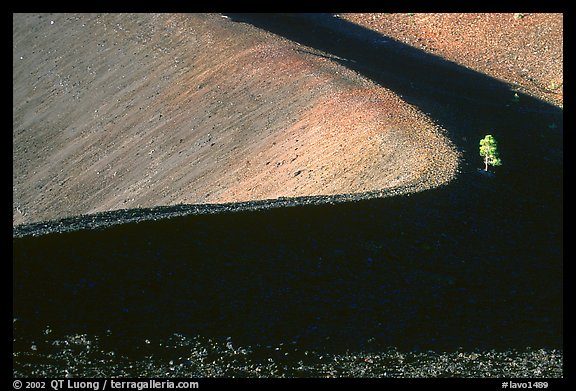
x=81, y=356
x=377, y=279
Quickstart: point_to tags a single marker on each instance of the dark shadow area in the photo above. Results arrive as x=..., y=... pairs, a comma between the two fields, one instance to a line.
x=415, y=273
x=476, y=264
x=468, y=104
x=395, y=65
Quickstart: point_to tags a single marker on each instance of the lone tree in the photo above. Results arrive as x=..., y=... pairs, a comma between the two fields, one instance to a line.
x=489, y=151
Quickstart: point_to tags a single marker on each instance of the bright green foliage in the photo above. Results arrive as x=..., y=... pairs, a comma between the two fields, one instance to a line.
x=489, y=151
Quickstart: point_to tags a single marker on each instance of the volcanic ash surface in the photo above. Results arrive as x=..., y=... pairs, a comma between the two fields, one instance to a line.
x=121, y=111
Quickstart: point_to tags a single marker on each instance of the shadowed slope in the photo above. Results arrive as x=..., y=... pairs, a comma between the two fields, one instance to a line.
x=524, y=50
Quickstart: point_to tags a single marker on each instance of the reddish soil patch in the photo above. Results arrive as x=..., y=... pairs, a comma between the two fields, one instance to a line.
x=123, y=111
x=525, y=50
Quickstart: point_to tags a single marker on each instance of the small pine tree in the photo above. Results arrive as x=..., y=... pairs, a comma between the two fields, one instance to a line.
x=489, y=151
